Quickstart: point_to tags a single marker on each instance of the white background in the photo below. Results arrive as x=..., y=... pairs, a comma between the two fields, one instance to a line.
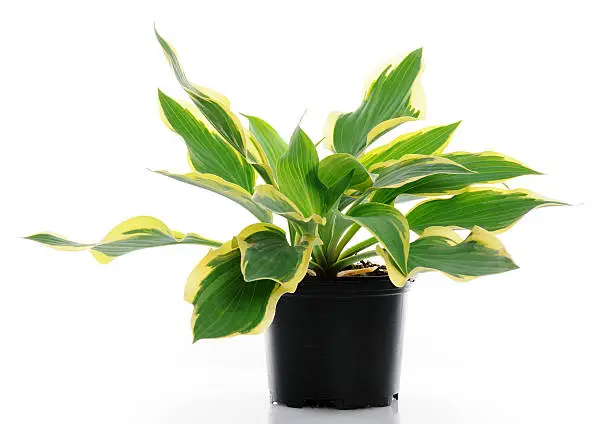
x=86, y=343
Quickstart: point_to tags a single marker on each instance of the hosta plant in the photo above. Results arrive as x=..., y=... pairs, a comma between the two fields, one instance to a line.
x=325, y=201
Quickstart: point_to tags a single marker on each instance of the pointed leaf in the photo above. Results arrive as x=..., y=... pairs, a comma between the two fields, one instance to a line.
x=272, y=144
x=492, y=209
x=297, y=175
x=224, y=188
x=390, y=228
x=266, y=255
x=214, y=106
x=427, y=141
x=443, y=250
x=488, y=167
x=388, y=97
x=410, y=168
x=224, y=304
x=334, y=167
x=136, y=233
x=208, y=152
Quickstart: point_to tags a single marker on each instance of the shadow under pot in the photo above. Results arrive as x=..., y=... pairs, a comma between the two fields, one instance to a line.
x=337, y=343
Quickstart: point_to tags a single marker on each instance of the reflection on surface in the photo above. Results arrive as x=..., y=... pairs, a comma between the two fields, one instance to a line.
x=284, y=415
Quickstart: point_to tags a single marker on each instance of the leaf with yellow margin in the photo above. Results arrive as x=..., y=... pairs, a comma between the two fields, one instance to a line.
x=388, y=97
x=426, y=141
x=488, y=167
x=266, y=255
x=390, y=228
x=493, y=209
x=411, y=168
x=224, y=303
x=136, y=233
x=224, y=188
x=441, y=249
x=209, y=153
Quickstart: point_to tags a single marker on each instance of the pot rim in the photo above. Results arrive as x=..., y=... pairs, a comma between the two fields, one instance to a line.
x=369, y=285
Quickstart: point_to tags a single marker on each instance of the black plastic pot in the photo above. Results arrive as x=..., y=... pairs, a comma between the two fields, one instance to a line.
x=337, y=343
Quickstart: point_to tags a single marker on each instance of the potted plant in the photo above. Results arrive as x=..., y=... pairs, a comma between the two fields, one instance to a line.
x=336, y=339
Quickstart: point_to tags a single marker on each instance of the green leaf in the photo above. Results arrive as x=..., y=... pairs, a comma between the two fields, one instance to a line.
x=136, y=233
x=224, y=304
x=410, y=168
x=335, y=167
x=272, y=144
x=488, y=167
x=276, y=202
x=266, y=255
x=427, y=141
x=208, y=152
x=224, y=188
x=297, y=175
x=441, y=249
x=492, y=209
x=390, y=228
x=214, y=106
x=387, y=98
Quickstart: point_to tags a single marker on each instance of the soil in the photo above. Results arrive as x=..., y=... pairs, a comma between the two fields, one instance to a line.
x=380, y=269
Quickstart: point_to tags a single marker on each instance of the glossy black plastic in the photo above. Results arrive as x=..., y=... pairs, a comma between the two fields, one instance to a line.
x=337, y=343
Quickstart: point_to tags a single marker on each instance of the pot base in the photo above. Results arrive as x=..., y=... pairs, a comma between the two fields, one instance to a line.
x=343, y=404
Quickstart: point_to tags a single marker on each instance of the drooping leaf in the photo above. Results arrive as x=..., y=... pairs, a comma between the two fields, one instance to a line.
x=136, y=233
x=334, y=167
x=488, y=167
x=266, y=255
x=224, y=188
x=427, y=141
x=494, y=210
x=224, y=304
x=411, y=168
x=214, y=106
x=272, y=144
x=388, y=97
x=297, y=175
x=209, y=153
x=390, y=228
x=442, y=249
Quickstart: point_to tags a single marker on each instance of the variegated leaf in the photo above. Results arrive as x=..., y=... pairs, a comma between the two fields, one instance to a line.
x=442, y=249
x=276, y=202
x=488, y=167
x=297, y=175
x=334, y=167
x=411, y=168
x=387, y=98
x=271, y=143
x=427, y=141
x=224, y=304
x=209, y=153
x=266, y=255
x=214, y=106
x=134, y=234
x=494, y=210
x=390, y=228
x=224, y=188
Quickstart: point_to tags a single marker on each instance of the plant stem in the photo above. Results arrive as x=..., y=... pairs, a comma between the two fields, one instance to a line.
x=358, y=247
x=350, y=233
x=319, y=256
x=352, y=259
x=317, y=268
